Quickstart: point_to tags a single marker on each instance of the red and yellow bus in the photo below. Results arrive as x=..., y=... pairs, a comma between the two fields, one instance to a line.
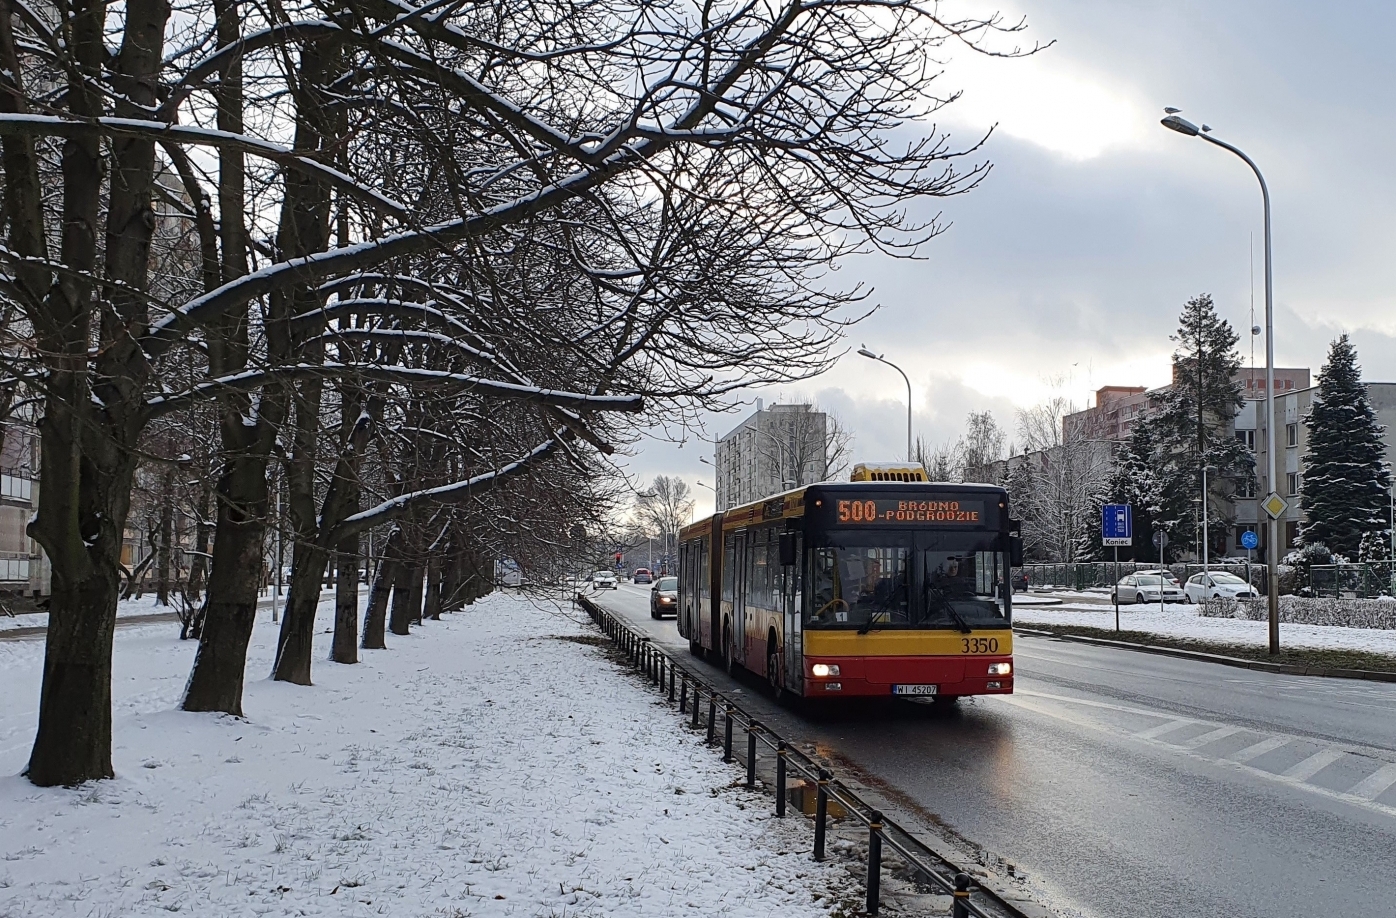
x=884, y=585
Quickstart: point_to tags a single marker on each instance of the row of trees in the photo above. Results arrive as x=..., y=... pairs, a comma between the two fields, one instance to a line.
x=418, y=268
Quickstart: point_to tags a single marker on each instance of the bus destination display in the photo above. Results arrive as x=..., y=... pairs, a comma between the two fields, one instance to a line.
x=882, y=512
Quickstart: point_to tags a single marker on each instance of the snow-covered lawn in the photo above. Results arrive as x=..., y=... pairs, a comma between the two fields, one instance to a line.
x=1179, y=620
x=490, y=764
x=127, y=608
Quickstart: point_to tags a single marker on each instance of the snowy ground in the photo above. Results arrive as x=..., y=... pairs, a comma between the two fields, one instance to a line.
x=125, y=609
x=489, y=764
x=1179, y=620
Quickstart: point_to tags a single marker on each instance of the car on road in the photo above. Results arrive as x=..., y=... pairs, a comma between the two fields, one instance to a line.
x=1020, y=581
x=604, y=580
x=1146, y=587
x=664, y=597
x=642, y=575
x=1217, y=585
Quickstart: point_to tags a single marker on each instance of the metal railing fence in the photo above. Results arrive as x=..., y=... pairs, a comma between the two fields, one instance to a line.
x=1365, y=580
x=1086, y=575
x=681, y=683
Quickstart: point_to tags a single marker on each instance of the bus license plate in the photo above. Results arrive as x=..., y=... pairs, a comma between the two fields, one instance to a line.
x=913, y=689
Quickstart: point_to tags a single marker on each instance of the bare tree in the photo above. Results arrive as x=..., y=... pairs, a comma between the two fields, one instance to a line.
x=1055, y=479
x=664, y=508
x=802, y=443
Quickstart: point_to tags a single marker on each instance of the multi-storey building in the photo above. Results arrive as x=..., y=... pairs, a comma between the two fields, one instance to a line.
x=1119, y=408
x=775, y=449
x=1291, y=443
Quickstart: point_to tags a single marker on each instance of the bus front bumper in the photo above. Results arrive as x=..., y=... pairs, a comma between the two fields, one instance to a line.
x=876, y=676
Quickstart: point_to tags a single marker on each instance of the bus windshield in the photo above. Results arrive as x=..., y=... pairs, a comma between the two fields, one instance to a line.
x=866, y=581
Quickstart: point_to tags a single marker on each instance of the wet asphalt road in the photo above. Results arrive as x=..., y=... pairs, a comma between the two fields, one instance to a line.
x=1128, y=785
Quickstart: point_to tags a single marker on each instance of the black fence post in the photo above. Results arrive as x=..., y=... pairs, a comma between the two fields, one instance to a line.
x=821, y=814
x=781, y=754
x=671, y=682
x=727, y=732
x=695, y=706
x=683, y=693
x=874, y=861
x=961, y=906
x=712, y=717
x=751, y=730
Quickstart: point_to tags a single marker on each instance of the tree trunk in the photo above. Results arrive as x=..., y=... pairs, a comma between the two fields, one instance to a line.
x=344, y=647
x=431, y=605
x=231, y=609
x=162, y=569
x=401, y=616
x=198, y=567
x=297, y=637
x=415, y=592
x=376, y=613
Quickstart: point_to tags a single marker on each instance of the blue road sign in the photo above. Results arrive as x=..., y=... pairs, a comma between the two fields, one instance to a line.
x=1249, y=540
x=1117, y=524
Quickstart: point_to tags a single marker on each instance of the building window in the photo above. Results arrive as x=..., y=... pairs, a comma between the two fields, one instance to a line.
x=1247, y=437
x=1291, y=535
x=1291, y=435
x=1245, y=487
x=1292, y=482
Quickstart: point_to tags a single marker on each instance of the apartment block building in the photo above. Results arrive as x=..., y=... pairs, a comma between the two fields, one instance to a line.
x=774, y=449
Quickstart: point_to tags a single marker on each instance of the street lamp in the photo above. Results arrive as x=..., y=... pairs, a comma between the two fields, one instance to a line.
x=1272, y=527
x=1205, y=546
x=880, y=359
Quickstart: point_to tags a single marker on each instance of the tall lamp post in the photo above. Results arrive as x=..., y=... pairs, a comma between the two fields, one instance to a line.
x=1272, y=526
x=880, y=359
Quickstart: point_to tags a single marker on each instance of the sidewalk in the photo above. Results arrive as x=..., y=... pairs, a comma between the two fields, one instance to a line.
x=493, y=763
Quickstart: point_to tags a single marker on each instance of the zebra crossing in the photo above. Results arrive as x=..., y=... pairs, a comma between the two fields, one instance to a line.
x=1355, y=775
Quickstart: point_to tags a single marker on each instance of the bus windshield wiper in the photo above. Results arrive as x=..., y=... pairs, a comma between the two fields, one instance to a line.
x=959, y=619
x=940, y=602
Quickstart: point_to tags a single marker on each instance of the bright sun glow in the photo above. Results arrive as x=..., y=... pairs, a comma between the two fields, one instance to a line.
x=1049, y=101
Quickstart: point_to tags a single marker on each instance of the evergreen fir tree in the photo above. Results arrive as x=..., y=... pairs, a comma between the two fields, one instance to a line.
x=1193, y=426
x=1345, y=491
x=1133, y=480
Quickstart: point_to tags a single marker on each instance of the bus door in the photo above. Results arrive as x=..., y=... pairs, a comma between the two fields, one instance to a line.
x=740, y=573
x=793, y=607
x=687, y=582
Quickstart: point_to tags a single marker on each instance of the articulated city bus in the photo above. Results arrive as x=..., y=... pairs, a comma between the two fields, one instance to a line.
x=884, y=585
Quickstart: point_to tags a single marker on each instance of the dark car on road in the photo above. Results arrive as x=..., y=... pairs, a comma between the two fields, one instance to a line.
x=664, y=597
x=642, y=575
x=1020, y=581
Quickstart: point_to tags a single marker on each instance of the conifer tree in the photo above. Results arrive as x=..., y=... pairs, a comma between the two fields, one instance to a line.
x=1134, y=480
x=1345, y=491
x=1192, y=425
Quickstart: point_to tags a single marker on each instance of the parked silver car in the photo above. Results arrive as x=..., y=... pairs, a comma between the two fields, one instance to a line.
x=1142, y=588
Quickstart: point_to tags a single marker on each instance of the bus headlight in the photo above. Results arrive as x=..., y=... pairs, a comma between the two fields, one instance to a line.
x=1000, y=669
x=824, y=670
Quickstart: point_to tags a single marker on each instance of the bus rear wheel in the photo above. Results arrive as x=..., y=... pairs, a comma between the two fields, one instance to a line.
x=773, y=673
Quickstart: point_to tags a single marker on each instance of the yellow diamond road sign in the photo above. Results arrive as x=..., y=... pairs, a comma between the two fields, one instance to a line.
x=1274, y=505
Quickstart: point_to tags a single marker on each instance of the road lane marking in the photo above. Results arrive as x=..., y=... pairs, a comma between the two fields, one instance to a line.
x=1235, y=762
x=1375, y=784
x=1198, y=742
x=1161, y=729
x=1259, y=749
x=1313, y=764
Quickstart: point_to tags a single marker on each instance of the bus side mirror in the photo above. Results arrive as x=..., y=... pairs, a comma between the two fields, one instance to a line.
x=786, y=546
x=1015, y=551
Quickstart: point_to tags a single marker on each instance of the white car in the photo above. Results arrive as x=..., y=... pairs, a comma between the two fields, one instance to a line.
x=1145, y=588
x=1217, y=585
x=604, y=580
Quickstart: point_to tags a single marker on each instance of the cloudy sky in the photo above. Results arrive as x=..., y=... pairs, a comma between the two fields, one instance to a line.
x=1066, y=269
